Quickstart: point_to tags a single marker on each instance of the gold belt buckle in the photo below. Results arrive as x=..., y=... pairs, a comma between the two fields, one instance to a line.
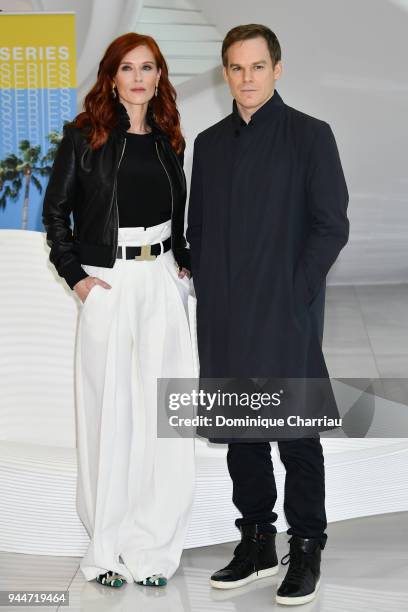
x=145, y=253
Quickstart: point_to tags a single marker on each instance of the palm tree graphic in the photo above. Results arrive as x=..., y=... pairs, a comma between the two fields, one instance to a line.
x=17, y=173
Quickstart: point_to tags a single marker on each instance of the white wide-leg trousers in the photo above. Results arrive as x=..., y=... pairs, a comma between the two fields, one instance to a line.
x=135, y=490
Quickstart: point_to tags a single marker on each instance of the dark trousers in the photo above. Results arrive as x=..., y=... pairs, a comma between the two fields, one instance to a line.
x=254, y=489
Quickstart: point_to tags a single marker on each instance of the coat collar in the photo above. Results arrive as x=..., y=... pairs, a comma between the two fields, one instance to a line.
x=123, y=123
x=267, y=111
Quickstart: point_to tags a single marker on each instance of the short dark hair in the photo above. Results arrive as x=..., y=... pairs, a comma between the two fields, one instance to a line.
x=252, y=30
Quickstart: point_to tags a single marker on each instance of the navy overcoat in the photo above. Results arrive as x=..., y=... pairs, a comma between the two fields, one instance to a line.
x=267, y=219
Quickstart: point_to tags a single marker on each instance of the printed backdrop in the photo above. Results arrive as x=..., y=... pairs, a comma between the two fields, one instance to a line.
x=37, y=95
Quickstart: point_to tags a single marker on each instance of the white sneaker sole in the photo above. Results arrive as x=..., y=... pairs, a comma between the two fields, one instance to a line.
x=270, y=571
x=295, y=601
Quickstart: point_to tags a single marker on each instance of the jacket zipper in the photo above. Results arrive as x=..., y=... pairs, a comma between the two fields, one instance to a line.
x=116, y=204
x=171, y=191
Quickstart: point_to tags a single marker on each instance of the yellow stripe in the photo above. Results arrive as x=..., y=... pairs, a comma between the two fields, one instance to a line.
x=37, y=51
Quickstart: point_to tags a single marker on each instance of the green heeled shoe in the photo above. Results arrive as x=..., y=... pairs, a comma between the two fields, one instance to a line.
x=153, y=580
x=111, y=579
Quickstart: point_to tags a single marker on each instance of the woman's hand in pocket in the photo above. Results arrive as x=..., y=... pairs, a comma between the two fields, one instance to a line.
x=182, y=272
x=84, y=286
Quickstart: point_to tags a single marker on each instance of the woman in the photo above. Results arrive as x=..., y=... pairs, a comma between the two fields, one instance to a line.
x=119, y=170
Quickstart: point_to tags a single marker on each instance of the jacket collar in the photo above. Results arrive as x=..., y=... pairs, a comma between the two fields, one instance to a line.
x=267, y=111
x=123, y=123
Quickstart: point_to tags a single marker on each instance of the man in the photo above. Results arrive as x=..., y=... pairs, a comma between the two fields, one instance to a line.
x=267, y=219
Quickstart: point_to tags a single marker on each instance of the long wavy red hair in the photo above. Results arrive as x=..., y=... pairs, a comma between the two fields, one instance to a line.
x=100, y=117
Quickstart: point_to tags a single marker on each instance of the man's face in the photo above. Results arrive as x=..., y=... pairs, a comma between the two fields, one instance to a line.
x=250, y=74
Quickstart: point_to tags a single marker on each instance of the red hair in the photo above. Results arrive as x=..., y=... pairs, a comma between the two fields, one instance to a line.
x=100, y=114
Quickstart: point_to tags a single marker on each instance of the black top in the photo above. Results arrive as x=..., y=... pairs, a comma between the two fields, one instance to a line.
x=144, y=193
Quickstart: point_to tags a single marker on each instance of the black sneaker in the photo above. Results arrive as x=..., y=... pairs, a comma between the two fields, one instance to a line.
x=254, y=558
x=302, y=579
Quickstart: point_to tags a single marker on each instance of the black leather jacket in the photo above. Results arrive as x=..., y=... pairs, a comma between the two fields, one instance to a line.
x=83, y=181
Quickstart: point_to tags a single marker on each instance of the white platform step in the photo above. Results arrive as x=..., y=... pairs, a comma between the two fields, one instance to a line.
x=174, y=31
x=38, y=492
x=189, y=43
x=158, y=14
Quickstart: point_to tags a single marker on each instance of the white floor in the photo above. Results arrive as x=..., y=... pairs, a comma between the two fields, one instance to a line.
x=364, y=568
x=366, y=331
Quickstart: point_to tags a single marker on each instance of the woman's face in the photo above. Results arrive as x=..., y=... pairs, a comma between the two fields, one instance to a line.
x=137, y=76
